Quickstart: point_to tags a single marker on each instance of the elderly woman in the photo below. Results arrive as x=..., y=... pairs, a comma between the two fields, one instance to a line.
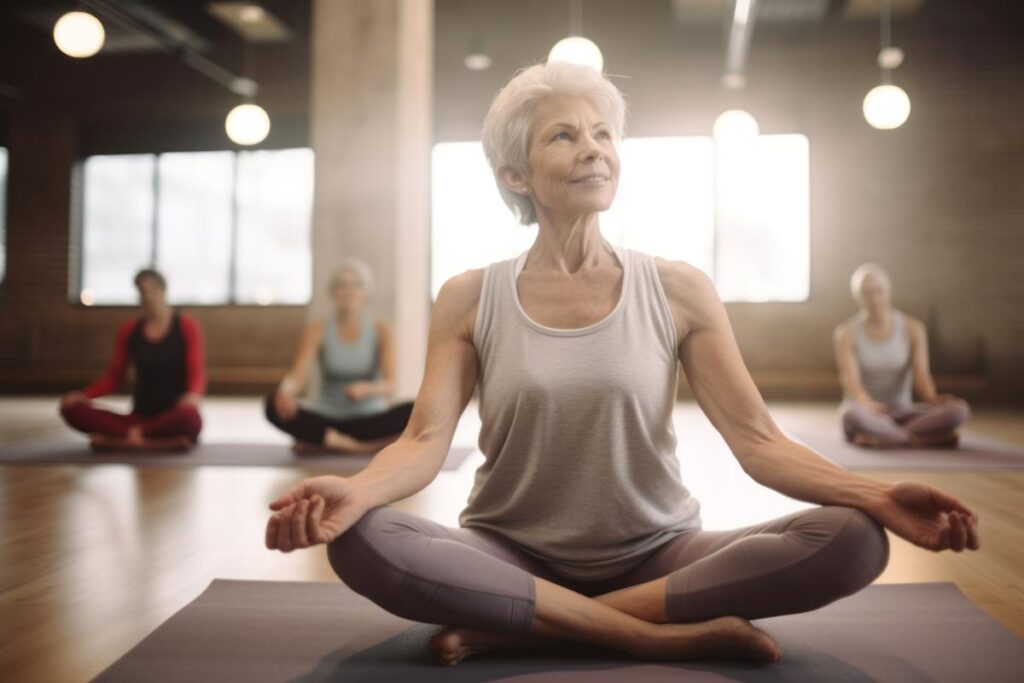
x=356, y=357
x=882, y=353
x=578, y=526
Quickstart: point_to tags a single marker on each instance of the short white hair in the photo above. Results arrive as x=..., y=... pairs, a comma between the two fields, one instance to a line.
x=358, y=267
x=506, y=132
x=863, y=270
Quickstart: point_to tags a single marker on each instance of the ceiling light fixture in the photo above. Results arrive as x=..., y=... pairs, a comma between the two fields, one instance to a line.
x=576, y=49
x=79, y=34
x=887, y=106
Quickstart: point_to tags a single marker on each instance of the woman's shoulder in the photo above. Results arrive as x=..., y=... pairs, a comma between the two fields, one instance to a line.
x=682, y=281
x=462, y=290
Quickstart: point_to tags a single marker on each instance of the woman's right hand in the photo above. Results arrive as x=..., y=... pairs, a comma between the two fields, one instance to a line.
x=315, y=511
x=285, y=404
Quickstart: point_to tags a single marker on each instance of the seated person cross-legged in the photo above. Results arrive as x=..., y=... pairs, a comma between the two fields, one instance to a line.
x=882, y=354
x=165, y=349
x=579, y=525
x=356, y=361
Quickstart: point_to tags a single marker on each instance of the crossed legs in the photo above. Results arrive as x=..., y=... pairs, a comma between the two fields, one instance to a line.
x=920, y=425
x=177, y=427
x=689, y=599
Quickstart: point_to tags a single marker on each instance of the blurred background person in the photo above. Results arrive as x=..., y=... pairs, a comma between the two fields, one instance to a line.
x=165, y=350
x=355, y=353
x=882, y=354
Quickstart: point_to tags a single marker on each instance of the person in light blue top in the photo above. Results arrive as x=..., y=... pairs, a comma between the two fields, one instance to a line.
x=355, y=353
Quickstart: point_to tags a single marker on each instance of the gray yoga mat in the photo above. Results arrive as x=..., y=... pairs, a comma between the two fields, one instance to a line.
x=225, y=454
x=258, y=631
x=974, y=452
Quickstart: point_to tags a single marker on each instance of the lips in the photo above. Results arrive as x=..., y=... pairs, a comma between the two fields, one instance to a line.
x=592, y=179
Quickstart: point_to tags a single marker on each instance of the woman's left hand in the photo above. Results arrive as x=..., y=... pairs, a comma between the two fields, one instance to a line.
x=928, y=517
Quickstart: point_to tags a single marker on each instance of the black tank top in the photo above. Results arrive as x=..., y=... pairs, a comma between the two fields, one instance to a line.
x=160, y=377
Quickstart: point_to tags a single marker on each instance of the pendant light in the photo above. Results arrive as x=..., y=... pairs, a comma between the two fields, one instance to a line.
x=248, y=123
x=576, y=49
x=79, y=34
x=887, y=106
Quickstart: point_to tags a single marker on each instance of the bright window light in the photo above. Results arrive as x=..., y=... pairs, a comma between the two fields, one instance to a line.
x=275, y=210
x=763, y=230
x=224, y=227
x=194, y=225
x=117, y=219
x=739, y=213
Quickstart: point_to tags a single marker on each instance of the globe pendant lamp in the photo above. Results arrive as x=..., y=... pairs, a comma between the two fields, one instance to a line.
x=79, y=34
x=887, y=106
x=576, y=49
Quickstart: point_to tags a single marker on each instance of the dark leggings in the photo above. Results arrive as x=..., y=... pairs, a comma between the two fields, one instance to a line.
x=428, y=572
x=180, y=420
x=309, y=426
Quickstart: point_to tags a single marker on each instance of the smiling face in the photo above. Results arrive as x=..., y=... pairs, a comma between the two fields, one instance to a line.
x=348, y=292
x=874, y=295
x=574, y=166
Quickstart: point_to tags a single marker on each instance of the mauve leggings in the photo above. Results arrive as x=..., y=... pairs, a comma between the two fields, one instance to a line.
x=432, y=573
x=180, y=420
x=898, y=423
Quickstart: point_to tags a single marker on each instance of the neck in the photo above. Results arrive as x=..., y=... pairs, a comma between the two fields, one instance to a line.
x=347, y=315
x=160, y=314
x=568, y=244
x=878, y=317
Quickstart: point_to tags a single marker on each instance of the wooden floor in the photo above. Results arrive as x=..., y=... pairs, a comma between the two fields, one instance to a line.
x=93, y=558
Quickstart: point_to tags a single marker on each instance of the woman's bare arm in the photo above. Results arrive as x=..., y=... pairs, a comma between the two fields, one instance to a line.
x=924, y=383
x=385, y=386
x=312, y=336
x=725, y=391
x=412, y=462
x=849, y=370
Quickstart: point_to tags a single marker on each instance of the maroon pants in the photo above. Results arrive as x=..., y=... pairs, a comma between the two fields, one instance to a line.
x=181, y=420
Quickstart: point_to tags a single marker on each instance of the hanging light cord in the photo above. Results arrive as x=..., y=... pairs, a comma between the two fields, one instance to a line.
x=886, y=37
x=575, y=17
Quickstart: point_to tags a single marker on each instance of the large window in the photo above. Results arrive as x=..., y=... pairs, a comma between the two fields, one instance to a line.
x=740, y=214
x=224, y=227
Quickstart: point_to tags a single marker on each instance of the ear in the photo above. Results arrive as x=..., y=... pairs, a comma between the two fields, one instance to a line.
x=513, y=180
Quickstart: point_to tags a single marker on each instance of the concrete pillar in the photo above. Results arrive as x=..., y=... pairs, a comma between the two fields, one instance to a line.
x=371, y=133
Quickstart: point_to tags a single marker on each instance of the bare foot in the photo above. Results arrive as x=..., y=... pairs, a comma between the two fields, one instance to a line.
x=873, y=441
x=729, y=638
x=132, y=442
x=942, y=440
x=343, y=443
x=456, y=643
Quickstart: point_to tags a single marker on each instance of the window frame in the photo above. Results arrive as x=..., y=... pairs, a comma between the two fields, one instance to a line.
x=77, y=277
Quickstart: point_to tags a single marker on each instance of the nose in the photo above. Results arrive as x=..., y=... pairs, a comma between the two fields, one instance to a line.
x=590, y=151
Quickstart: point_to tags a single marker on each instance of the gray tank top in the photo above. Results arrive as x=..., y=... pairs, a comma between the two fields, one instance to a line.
x=580, y=466
x=884, y=365
x=341, y=364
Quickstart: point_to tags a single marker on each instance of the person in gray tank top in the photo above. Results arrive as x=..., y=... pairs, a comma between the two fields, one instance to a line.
x=882, y=355
x=350, y=412
x=579, y=525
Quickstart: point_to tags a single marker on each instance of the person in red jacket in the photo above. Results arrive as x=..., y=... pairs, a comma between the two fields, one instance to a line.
x=165, y=349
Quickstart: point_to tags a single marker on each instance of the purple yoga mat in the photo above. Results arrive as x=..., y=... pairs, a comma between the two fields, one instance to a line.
x=258, y=631
x=224, y=454
x=975, y=452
